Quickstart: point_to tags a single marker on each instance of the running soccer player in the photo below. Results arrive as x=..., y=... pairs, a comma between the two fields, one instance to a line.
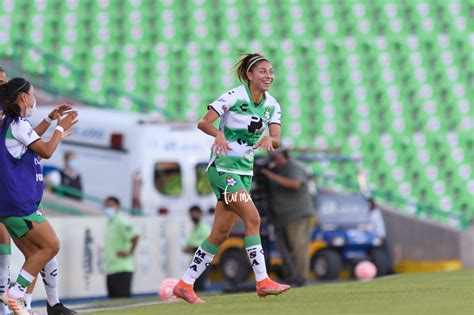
x=22, y=185
x=244, y=112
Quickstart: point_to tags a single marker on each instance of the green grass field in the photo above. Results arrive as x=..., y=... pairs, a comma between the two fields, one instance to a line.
x=441, y=293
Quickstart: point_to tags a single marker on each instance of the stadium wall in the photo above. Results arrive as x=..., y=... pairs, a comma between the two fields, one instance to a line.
x=467, y=247
x=81, y=258
x=422, y=244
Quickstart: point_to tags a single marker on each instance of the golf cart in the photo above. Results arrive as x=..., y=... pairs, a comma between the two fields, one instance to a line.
x=345, y=229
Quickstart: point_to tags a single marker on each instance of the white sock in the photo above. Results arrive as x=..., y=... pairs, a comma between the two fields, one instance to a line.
x=18, y=289
x=257, y=261
x=201, y=260
x=4, y=279
x=4, y=273
x=50, y=280
x=28, y=298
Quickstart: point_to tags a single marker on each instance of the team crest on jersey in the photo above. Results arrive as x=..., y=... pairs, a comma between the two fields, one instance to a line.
x=231, y=181
x=267, y=113
x=224, y=108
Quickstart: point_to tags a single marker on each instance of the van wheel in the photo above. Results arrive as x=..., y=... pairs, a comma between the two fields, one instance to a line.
x=235, y=266
x=326, y=264
x=381, y=260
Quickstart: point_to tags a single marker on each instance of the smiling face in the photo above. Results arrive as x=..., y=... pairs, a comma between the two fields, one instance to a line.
x=261, y=76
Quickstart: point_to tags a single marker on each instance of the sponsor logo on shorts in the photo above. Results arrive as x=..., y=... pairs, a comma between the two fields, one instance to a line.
x=233, y=197
x=231, y=181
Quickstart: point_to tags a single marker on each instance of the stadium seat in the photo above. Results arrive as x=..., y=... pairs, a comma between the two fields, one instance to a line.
x=386, y=79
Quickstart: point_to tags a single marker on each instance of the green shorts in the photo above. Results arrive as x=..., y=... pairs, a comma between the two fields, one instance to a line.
x=227, y=182
x=19, y=226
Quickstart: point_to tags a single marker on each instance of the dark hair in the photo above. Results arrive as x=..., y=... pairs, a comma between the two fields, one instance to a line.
x=195, y=208
x=114, y=200
x=8, y=95
x=285, y=152
x=2, y=70
x=371, y=203
x=245, y=64
x=68, y=155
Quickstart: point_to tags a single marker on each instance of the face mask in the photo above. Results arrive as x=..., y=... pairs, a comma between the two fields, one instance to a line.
x=73, y=165
x=109, y=212
x=31, y=110
x=195, y=220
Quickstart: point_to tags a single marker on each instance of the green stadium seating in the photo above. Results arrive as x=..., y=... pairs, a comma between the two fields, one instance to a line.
x=388, y=80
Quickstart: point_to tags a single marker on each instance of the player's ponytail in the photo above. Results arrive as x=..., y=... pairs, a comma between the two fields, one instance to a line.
x=245, y=65
x=8, y=95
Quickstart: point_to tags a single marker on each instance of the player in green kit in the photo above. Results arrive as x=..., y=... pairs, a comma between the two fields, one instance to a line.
x=245, y=112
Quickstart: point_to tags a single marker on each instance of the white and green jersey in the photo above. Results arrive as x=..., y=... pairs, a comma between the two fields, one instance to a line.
x=19, y=136
x=242, y=123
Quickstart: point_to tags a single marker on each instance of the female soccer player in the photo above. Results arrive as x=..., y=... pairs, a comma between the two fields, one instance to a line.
x=245, y=112
x=21, y=183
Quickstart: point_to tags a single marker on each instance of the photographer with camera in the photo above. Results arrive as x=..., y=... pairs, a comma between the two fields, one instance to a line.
x=293, y=210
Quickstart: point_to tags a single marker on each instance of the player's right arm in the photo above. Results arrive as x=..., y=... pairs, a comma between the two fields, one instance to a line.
x=215, y=110
x=205, y=124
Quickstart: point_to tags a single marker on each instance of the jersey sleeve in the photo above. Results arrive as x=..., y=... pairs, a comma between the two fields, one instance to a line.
x=276, y=115
x=23, y=132
x=223, y=103
x=128, y=230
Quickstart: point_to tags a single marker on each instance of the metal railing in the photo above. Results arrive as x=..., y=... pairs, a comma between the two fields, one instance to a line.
x=45, y=80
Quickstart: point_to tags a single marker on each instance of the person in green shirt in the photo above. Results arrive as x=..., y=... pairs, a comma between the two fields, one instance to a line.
x=121, y=240
x=199, y=233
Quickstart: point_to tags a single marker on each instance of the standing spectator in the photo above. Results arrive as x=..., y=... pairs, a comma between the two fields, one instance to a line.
x=292, y=209
x=378, y=227
x=70, y=176
x=121, y=240
x=376, y=220
x=199, y=233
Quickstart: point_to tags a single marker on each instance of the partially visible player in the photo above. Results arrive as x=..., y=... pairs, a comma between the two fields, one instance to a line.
x=21, y=183
x=5, y=245
x=244, y=112
x=50, y=272
x=3, y=76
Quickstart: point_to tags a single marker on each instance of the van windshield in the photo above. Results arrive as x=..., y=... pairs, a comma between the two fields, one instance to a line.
x=203, y=186
x=167, y=178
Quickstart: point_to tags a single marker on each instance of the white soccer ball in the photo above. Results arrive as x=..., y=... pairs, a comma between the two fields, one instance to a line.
x=165, y=291
x=365, y=270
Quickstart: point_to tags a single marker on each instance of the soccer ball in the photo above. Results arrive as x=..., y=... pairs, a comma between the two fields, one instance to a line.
x=165, y=291
x=365, y=270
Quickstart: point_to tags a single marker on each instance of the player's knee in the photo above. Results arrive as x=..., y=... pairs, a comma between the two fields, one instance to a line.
x=253, y=222
x=52, y=248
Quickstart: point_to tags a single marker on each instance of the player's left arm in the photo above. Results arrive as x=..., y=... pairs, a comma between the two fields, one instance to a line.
x=57, y=112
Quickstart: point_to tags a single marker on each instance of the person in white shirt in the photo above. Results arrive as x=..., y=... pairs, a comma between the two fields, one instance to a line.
x=378, y=227
x=376, y=220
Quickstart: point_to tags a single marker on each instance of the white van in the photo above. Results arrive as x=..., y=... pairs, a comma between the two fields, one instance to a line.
x=157, y=167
